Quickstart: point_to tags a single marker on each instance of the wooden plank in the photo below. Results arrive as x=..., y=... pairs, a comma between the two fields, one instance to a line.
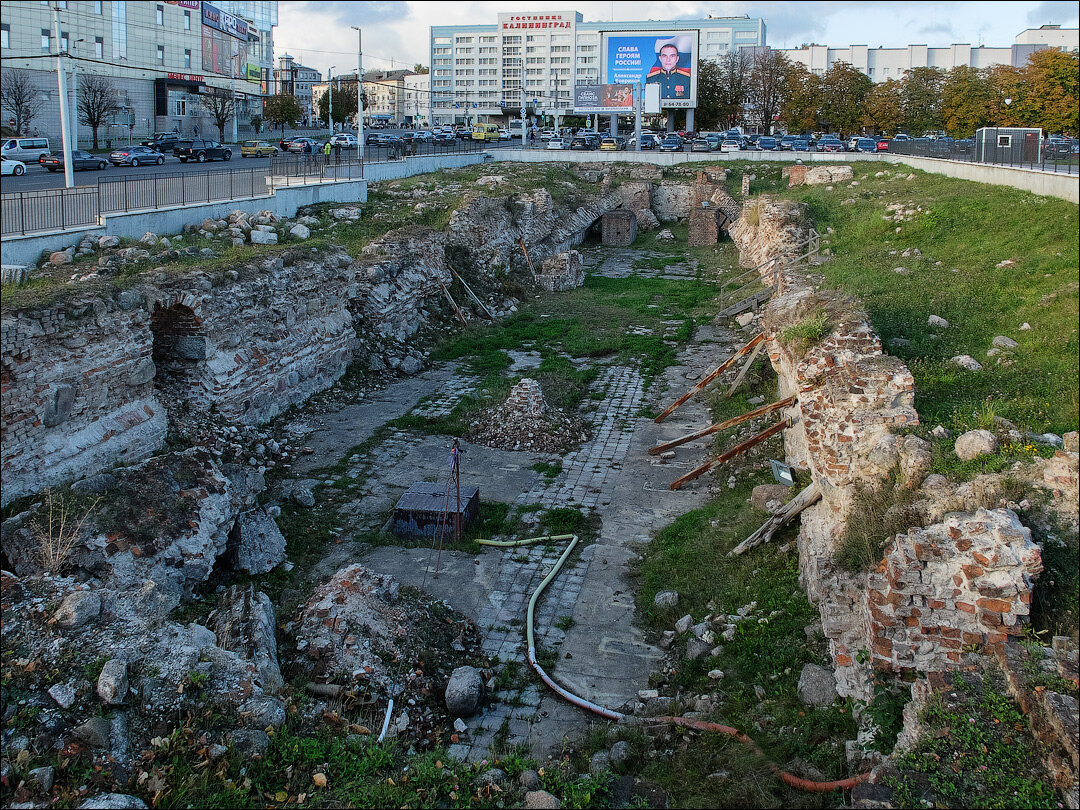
x=468, y=289
x=738, y=449
x=453, y=303
x=742, y=372
x=716, y=428
x=712, y=375
x=525, y=250
x=744, y=304
x=764, y=534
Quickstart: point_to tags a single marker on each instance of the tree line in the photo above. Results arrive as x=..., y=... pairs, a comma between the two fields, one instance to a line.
x=767, y=90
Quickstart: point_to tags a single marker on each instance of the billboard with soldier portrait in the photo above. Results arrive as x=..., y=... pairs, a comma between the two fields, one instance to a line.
x=667, y=59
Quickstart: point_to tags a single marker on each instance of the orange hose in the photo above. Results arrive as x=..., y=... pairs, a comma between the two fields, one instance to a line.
x=792, y=780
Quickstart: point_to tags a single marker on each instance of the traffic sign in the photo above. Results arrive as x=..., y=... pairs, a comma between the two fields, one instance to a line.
x=11, y=122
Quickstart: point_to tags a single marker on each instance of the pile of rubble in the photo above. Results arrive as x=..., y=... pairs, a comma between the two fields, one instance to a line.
x=526, y=422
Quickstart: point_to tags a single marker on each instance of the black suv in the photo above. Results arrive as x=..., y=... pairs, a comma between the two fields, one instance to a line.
x=201, y=150
x=163, y=142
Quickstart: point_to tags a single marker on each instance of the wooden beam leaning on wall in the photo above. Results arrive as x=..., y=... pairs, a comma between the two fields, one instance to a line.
x=712, y=375
x=738, y=449
x=718, y=426
x=764, y=534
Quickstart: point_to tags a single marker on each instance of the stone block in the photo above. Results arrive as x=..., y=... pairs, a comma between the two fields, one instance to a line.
x=619, y=227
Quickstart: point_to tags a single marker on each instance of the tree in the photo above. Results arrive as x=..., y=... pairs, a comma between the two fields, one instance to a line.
x=1052, y=80
x=734, y=85
x=418, y=68
x=282, y=109
x=966, y=97
x=922, y=100
x=802, y=102
x=709, y=106
x=844, y=90
x=20, y=98
x=256, y=124
x=1006, y=82
x=767, y=86
x=221, y=106
x=884, y=108
x=96, y=102
x=344, y=103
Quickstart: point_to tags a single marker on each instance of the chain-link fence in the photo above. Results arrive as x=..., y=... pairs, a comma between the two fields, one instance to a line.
x=1048, y=155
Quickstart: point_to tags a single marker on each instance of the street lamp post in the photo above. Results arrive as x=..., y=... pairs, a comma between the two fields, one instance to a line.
x=359, y=94
x=330, y=94
x=65, y=113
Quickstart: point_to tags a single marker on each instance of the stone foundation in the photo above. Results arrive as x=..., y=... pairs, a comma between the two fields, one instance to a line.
x=560, y=272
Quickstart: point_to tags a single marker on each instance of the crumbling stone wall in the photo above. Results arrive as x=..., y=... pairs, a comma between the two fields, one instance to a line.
x=619, y=227
x=913, y=611
x=77, y=393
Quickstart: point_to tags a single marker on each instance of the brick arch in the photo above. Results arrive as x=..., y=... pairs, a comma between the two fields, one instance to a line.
x=179, y=349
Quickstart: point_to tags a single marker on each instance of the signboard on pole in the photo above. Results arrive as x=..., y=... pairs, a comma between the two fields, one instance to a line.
x=666, y=59
x=603, y=98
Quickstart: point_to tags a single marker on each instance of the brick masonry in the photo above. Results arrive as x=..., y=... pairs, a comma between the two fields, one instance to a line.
x=961, y=582
x=619, y=227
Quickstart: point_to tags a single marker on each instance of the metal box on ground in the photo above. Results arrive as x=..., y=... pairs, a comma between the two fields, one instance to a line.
x=420, y=510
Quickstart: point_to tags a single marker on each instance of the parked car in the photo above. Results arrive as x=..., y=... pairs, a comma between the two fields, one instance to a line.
x=866, y=145
x=672, y=143
x=730, y=145
x=135, y=155
x=54, y=162
x=1057, y=149
x=163, y=142
x=768, y=143
x=443, y=139
x=648, y=141
x=901, y=137
x=700, y=145
x=830, y=145
x=883, y=144
x=800, y=145
x=558, y=143
x=11, y=166
x=853, y=143
x=257, y=149
x=609, y=144
x=201, y=150
x=580, y=143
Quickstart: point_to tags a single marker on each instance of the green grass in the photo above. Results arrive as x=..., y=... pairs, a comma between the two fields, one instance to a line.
x=690, y=556
x=970, y=228
x=808, y=332
x=975, y=751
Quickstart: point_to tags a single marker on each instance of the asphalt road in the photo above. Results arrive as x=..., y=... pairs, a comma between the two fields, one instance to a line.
x=38, y=178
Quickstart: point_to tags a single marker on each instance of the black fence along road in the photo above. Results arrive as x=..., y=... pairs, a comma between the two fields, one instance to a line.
x=61, y=209
x=1042, y=160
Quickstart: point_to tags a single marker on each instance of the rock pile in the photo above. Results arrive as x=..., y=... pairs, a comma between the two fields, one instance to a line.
x=525, y=422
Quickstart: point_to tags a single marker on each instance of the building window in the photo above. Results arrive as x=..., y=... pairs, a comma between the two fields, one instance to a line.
x=97, y=6
x=99, y=48
x=5, y=35
x=885, y=71
x=187, y=58
x=161, y=54
x=870, y=72
x=180, y=107
x=64, y=42
x=159, y=16
x=119, y=29
x=45, y=41
x=187, y=20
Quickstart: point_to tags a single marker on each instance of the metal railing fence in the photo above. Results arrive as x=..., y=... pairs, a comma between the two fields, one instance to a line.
x=1049, y=158
x=56, y=209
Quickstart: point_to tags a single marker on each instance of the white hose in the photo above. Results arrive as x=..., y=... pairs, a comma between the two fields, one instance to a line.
x=386, y=720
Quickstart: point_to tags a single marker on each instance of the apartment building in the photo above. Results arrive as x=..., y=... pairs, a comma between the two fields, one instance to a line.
x=489, y=72
x=294, y=79
x=417, y=110
x=882, y=64
x=385, y=91
x=161, y=58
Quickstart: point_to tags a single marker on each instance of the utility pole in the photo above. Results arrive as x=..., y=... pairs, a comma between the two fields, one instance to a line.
x=330, y=94
x=232, y=83
x=61, y=86
x=359, y=94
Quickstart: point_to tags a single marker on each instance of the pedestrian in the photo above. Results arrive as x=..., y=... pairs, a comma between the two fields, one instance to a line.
x=196, y=130
x=326, y=149
x=337, y=152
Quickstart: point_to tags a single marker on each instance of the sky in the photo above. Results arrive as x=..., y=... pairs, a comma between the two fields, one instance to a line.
x=395, y=34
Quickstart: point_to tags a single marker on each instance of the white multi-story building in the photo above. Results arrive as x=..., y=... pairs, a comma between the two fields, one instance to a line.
x=160, y=57
x=488, y=72
x=882, y=64
x=385, y=91
x=418, y=99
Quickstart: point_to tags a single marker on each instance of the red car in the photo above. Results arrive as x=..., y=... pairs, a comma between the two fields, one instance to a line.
x=882, y=145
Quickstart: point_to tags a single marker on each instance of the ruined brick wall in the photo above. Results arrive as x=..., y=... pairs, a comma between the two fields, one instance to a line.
x=77, y=393
x=266, y=341
x=619, y=227
x=913, y=612
x=967, y=580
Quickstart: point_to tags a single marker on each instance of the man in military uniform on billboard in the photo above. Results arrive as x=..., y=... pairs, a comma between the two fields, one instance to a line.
x=674, y=80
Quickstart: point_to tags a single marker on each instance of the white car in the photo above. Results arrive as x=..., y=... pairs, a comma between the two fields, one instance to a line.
x=558, y=143
x=504, y=134
x=11, y=166
x=729, y=146
x=344, y=138
x=423, y=135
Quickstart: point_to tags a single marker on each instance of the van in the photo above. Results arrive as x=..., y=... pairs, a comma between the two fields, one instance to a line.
x=28, y=150
x=485, y=132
